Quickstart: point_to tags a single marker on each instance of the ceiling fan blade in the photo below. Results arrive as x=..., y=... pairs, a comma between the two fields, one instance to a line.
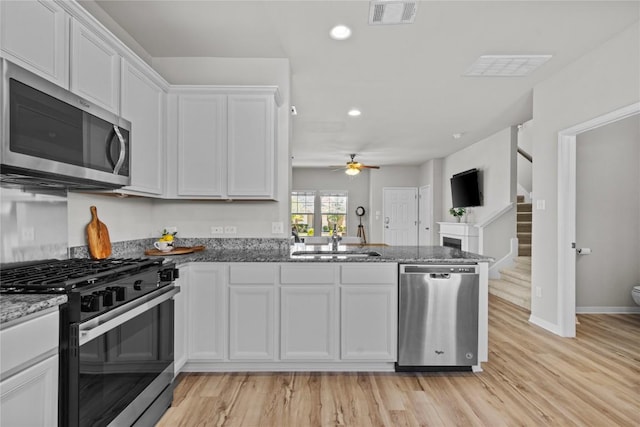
x=370, y=167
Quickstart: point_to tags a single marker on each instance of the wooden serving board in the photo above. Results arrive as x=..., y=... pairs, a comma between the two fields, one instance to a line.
x=98, y=237
x=178, y=250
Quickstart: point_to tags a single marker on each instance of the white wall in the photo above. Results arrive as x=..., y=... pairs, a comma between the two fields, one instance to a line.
x=195, y=218
x=494, y=158
x=327, y=179
x=430, y=173
x=126, y=218
x=525, y=169
x=608, y=215
x=387, y=176
x=602, y=81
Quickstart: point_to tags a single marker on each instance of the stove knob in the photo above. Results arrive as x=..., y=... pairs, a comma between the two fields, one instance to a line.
x=89, y=303
x=108, y=297
x=121, y=292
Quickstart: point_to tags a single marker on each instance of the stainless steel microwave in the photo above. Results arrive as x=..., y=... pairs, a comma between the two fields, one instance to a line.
x=52, y=137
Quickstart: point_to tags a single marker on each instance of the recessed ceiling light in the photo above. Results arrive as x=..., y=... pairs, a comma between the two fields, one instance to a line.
x=340, y=32
x=457, y=135
x=354, y=112
x=506, y=65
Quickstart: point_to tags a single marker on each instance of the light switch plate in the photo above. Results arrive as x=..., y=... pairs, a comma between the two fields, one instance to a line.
x=541, y=205
x=217, y=229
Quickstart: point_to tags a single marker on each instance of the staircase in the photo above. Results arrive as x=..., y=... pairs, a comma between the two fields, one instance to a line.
x=523, y=225
x=514, y=284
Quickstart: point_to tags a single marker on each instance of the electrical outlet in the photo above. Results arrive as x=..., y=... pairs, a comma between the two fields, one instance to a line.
x=28, y=234
x=172, y=229
x=230, y=229
x=538, y=292
x=277, y=228
x=217, y=229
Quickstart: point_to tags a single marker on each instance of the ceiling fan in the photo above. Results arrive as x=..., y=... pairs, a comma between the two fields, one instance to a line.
x=354, y=168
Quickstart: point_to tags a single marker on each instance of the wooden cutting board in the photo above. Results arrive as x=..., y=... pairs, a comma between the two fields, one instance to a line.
x=179, y=250
x=98, y=237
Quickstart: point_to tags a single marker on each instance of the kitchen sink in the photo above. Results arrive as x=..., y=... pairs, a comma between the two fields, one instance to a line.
x=324, y=253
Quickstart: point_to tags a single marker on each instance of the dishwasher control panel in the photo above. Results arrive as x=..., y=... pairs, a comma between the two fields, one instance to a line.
x=451, y=269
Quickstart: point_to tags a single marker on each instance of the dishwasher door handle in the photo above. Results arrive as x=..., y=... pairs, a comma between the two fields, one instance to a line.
x=440, y=276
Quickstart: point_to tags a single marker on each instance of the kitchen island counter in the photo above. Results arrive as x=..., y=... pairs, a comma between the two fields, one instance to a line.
x=396, y=254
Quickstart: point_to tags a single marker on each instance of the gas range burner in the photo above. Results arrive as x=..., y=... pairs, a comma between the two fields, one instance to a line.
x=65, y=275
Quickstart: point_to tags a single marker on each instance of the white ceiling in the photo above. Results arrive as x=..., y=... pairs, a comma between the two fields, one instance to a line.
x=407, y=79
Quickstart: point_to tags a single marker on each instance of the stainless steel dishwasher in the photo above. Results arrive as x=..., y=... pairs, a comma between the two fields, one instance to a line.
x=437, y=316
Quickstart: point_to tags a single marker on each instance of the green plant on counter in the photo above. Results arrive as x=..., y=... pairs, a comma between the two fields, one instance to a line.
x=457, y=212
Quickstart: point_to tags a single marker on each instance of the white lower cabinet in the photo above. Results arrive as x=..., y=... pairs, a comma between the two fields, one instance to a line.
x=251, y=323
x=308, y=323
x=29, y=371
x=274, y=316
x=207, y=327
x=30, y=397
x=368, y=322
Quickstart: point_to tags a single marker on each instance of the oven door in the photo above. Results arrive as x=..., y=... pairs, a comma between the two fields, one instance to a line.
x=125, y=362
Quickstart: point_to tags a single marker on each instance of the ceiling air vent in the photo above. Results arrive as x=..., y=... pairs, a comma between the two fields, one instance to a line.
x=388, y=12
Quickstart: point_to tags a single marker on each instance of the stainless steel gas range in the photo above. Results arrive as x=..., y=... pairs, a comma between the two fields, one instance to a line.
x=116, y=335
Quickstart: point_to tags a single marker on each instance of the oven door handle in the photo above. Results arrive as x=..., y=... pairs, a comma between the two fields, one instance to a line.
x=112, y=319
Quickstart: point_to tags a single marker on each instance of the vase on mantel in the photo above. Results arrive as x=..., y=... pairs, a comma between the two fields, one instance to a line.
x=458, y=219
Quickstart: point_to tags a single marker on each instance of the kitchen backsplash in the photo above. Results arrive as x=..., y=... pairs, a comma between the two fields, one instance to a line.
x=136, y=248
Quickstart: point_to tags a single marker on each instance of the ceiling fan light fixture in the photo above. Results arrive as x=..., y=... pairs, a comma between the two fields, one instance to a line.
x=354, y=112
x=352, y=171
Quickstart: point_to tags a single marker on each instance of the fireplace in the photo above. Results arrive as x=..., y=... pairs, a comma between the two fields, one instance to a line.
x=452, y=242
x=459, y=235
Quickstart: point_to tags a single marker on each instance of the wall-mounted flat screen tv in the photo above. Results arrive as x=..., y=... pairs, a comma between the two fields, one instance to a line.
x=465, y=189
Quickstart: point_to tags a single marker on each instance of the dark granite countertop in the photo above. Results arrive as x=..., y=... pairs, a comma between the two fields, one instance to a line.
x=399, y=254
x=15, y=306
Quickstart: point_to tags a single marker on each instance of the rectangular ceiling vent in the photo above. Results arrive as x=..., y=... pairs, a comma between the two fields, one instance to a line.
x=389, y=12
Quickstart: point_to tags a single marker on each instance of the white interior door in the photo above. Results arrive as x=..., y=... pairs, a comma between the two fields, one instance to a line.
x=425, y=214
x=400, y=216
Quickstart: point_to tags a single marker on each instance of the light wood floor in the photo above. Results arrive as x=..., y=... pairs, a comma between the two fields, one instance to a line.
x=533, y=378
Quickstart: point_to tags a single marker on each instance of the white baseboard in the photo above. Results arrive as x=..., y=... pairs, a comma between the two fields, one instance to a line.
x=281, y=366
x=607, y=310
x=551, y=327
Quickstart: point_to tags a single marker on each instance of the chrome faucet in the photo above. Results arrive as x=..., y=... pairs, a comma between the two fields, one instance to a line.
x=335, y=238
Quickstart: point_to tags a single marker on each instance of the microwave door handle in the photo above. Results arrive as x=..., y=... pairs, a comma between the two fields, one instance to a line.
x=123, y=152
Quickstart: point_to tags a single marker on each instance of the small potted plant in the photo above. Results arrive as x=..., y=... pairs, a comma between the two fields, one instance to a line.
x=457, y=213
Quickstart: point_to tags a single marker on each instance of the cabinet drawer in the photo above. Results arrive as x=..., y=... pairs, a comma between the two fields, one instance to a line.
x=259, y=273
x=369, y=273
x=24, y=342
x=308, y=273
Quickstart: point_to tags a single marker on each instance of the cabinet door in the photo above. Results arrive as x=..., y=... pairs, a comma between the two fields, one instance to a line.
x=368, y=322
x=201, y=145
x=207, y=326
x=142, y=105
x=95, y=68
x=34, y=35
x=251, y=146
x=251, y=328
x=308, y=323
x=30, y=397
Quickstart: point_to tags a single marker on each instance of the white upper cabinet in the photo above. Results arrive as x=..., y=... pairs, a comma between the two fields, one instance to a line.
x=251, y=153
x=225, y=142
x=34, y=35
x=95, y=68
x=201, y=144
x=143, y=106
